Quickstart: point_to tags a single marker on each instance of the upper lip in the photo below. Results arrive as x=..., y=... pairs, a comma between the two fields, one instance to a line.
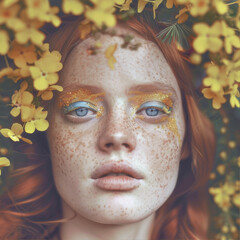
x=115, y=168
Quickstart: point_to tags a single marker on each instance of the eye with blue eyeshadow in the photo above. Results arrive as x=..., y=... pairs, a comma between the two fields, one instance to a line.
x=154, y=109
x=79, y=109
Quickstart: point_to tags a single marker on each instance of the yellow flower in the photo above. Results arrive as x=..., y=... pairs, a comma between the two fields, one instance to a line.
x=22, y=54
x=15, y=133
x=37, y=8
x=236, y=199
x=221, y=169
x=223, y=155
x=4, y=42
x=109, y=55
x=45, y=70
x=222, y=195
x=38, y=122
x=48, y=94
x=216, y=77
x=231, y=39
x=102, y=13
x=220, y=6
x=41, y=10
x=199, y=7
x=218, y=98
x=72, y=6
x=30, y=32
x=9, y=17
x=232, y=144
x=208, y=37
x=4, y=162
x=22, y=102
x=8, y=3
x=234, y=101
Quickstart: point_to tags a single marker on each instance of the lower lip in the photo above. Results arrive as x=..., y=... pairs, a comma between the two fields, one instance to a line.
x=121, y=183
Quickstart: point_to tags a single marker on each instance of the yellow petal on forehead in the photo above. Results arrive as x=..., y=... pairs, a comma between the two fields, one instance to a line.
x=4, y=162
x=41, y=124
x=27, y=98
x=30, y=127
x=17, y=128
x=15, y=111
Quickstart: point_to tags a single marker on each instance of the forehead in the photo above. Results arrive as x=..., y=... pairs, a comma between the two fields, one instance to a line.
x=144, y=66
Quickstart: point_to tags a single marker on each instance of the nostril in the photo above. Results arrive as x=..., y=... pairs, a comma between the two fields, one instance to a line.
x=126, y=145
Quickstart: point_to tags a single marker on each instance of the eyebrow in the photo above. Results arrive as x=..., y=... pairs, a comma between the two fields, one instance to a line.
x=152, y=88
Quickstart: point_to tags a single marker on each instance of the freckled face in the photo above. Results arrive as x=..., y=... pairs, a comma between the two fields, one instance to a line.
x=131, y=114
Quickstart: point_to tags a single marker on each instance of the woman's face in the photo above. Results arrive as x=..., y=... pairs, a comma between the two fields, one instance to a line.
x=107, y=121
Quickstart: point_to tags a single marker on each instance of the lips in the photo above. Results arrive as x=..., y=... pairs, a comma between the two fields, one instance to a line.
x=115, y=168
x=116, y=177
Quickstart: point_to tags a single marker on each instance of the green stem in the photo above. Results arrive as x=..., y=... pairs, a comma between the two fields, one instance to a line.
x=6, y=61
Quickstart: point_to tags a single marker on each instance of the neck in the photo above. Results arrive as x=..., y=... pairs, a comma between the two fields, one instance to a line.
x=82, y=228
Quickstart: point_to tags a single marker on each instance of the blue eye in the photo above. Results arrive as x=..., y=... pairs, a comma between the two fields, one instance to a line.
x=154, y=109
x=81, y=112
x=79, y=109
x=151, y=111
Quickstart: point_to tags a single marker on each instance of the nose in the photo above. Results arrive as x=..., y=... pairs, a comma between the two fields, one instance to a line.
x=117, y=136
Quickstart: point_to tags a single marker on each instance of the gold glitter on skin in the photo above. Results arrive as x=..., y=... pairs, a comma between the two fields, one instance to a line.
x=172, y=126
x=142, y=97
x=82, y=94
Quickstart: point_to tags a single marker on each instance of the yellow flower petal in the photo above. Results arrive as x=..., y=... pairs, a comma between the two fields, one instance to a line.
x=4, y=132
x=214, y=44
x=47, y=95
x=141, y=5
x=41, y=124
x=27, y=98
x=15, y=111
x=4, y=42
x=4, y=162
x=200, y=44
x=30, y=127
x=17, y=128
x=26, y=113
x=26, y=140
x=236, y=200
x=72, y=6
x=40, y=84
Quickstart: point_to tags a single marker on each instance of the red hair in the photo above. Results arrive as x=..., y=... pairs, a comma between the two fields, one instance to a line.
x=30, y=205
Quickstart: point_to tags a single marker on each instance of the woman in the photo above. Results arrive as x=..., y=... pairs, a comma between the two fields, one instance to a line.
x=140, y=121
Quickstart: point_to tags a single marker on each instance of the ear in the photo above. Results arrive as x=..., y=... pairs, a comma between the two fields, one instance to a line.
x=185, y=150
